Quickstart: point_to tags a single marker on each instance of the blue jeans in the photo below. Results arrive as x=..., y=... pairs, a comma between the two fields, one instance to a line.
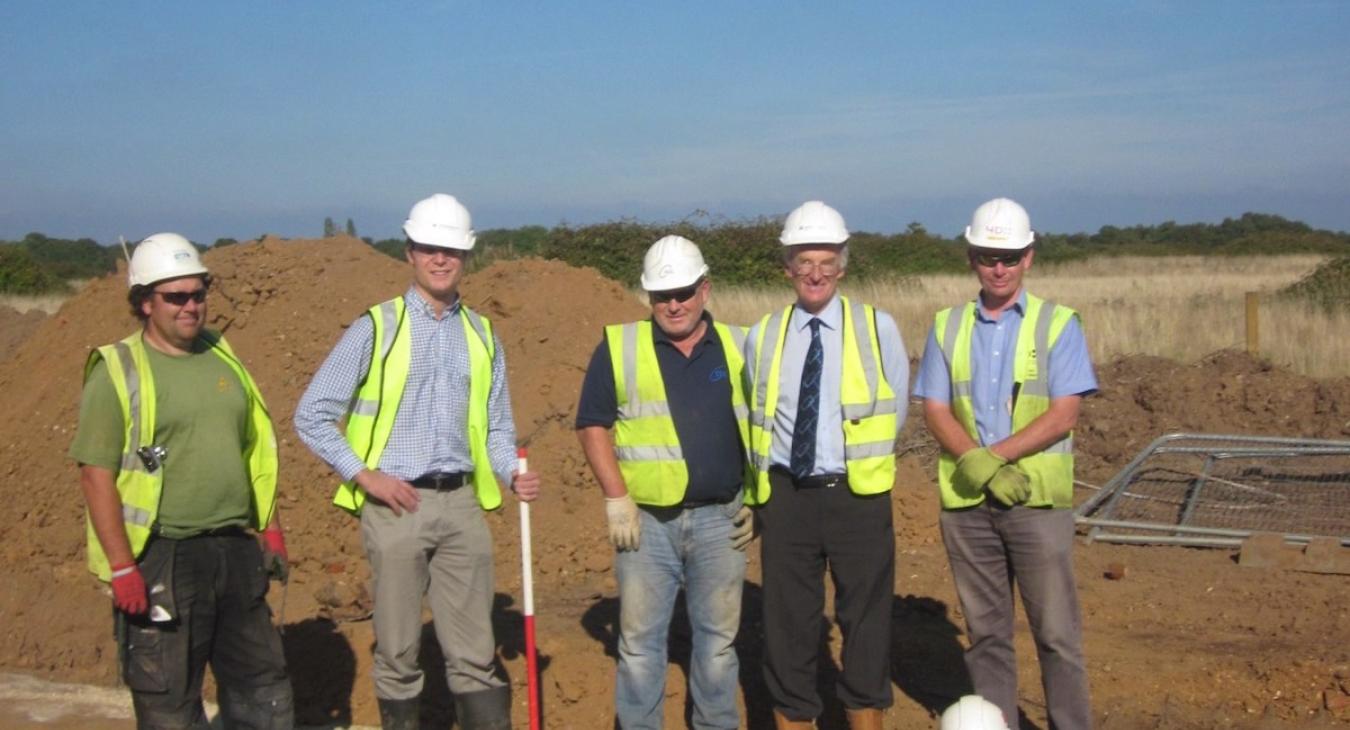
x=689, y=548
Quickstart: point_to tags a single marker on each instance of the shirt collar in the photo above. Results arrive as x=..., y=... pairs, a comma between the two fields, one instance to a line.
x=1020, y=306
x=414, y=301
x=832, y=316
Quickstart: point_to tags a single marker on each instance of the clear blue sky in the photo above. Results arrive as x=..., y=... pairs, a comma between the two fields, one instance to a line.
x=238, y=118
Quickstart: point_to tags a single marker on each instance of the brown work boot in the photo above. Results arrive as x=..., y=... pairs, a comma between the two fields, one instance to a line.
x=868, y=718
x=782, y=723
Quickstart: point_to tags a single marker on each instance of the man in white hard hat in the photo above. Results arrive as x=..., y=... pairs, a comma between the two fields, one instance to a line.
x=828, y=378
x=178, y=462
x=673, y=476
x=429, y=445
x=1002, y=378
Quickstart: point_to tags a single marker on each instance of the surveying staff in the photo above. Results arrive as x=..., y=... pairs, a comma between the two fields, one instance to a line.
x=1002, y=378
x=177, y=461
x=421, y=382
x=828, y=378
x=673, y=477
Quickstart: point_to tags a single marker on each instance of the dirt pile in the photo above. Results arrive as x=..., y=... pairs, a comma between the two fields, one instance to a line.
x=283, y=304
x=16, y=326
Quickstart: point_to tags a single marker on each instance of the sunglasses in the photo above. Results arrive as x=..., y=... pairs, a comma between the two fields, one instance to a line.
x=990, y=260
x=679, y=295
x=181, y=298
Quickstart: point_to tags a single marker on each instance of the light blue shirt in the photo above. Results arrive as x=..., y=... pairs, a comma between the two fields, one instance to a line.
x=430, y=432
x=830, y=428
x=992, y=344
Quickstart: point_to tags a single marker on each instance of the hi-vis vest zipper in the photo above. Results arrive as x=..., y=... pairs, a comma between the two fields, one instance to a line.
x=645, y=441
x=868, y=403
x=1051, y=470
x=140, y=488
x=371, y=418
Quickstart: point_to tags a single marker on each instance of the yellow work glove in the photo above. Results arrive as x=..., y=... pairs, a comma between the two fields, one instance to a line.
x=976, y=467
x=1010, y=485
x=624, y=526
x=743, y=528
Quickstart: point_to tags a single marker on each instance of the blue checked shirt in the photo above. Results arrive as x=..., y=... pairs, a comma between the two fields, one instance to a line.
x=430, y=432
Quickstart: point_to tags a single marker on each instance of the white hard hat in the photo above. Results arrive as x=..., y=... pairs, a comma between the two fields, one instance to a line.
x=163, y=256
x=440, y=221
x=1000, y=223
x=672, y=263
x=972, y=712
x=813, y=222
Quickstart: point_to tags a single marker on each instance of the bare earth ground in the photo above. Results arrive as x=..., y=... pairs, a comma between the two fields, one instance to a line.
x=1186, y=640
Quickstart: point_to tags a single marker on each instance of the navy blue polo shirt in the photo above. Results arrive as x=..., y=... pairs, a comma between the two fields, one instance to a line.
x=698, y=389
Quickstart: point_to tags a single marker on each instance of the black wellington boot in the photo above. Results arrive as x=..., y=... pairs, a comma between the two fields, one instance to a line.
x=488, y=709
x=399, y=714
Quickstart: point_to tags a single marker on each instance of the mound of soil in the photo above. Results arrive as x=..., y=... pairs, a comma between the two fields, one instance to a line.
x=16, y=326
x=284, y=303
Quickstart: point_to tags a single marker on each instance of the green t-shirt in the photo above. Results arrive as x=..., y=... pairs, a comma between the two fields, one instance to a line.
x=201, y=419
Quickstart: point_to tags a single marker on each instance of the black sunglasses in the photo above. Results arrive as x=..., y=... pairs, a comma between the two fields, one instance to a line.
x=989, y=260
x=180, y=298
x=679, y=295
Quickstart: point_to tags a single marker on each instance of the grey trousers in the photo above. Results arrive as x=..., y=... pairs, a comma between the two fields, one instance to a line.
x=989, y=547
x=442, y=551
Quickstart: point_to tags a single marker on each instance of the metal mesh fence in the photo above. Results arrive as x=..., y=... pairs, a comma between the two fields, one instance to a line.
x=1215, y=490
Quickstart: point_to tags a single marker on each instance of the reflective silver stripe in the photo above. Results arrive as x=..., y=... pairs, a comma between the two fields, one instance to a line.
x=861, y=332
x=645, y=410
x=868, y=450
x=954, y=319
x=389, y=328
x=364, y=407
x=741, y=410
x=859, y=411
x=961, y=389
x=771, y=327
x=1062, y=446
x=737, y=336
x=1040, y=385
x=132, y=380
x=649, y=453
x=477, y=323
x=629, y=354
x=135, y=516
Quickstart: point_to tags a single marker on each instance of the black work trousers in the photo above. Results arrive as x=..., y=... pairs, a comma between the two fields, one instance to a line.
x=210, y=594
x=804, y=533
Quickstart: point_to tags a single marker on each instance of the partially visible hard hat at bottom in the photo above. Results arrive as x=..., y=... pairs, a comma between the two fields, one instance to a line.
x=672, y=263
x=161, y=257
x=972, y=712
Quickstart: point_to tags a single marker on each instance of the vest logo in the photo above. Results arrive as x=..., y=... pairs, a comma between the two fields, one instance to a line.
x=717, y=375
x=222, y=385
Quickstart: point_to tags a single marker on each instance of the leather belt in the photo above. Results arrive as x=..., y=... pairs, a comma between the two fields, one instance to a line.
x=441, y=481
x=818, y=481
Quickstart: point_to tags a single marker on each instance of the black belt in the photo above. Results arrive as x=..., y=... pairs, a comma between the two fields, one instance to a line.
x=819, y=481
x=694, y=503
x=441, y=481
x=226, y=531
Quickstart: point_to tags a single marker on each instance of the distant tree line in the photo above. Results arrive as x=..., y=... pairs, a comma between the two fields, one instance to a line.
x=738, y=252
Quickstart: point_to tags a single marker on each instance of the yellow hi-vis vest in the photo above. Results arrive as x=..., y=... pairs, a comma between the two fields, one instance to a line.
x=1051, y=470
x=648, y=447
x=868, y=403
x=139, y=488
x=371, y=417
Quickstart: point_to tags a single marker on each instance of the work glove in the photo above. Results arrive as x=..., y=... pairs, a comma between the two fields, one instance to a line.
x=275, y=560
x=1010, y=485
x=977, y=466
x=128, y=589
x=624, y=526
x=743, y=528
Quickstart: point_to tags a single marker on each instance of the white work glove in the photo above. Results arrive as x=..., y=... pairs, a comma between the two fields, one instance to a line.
x=742, y=528
x=624, y=526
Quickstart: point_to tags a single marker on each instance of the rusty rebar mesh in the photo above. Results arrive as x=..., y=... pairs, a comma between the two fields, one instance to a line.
x=1232, y=482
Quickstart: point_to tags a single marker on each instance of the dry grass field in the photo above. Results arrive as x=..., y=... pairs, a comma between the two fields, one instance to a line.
x=1181, y=308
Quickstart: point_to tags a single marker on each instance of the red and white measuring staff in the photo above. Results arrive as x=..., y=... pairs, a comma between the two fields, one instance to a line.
x=527, y=587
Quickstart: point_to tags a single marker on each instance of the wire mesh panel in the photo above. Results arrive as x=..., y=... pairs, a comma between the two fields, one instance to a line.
x=1206, y=489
